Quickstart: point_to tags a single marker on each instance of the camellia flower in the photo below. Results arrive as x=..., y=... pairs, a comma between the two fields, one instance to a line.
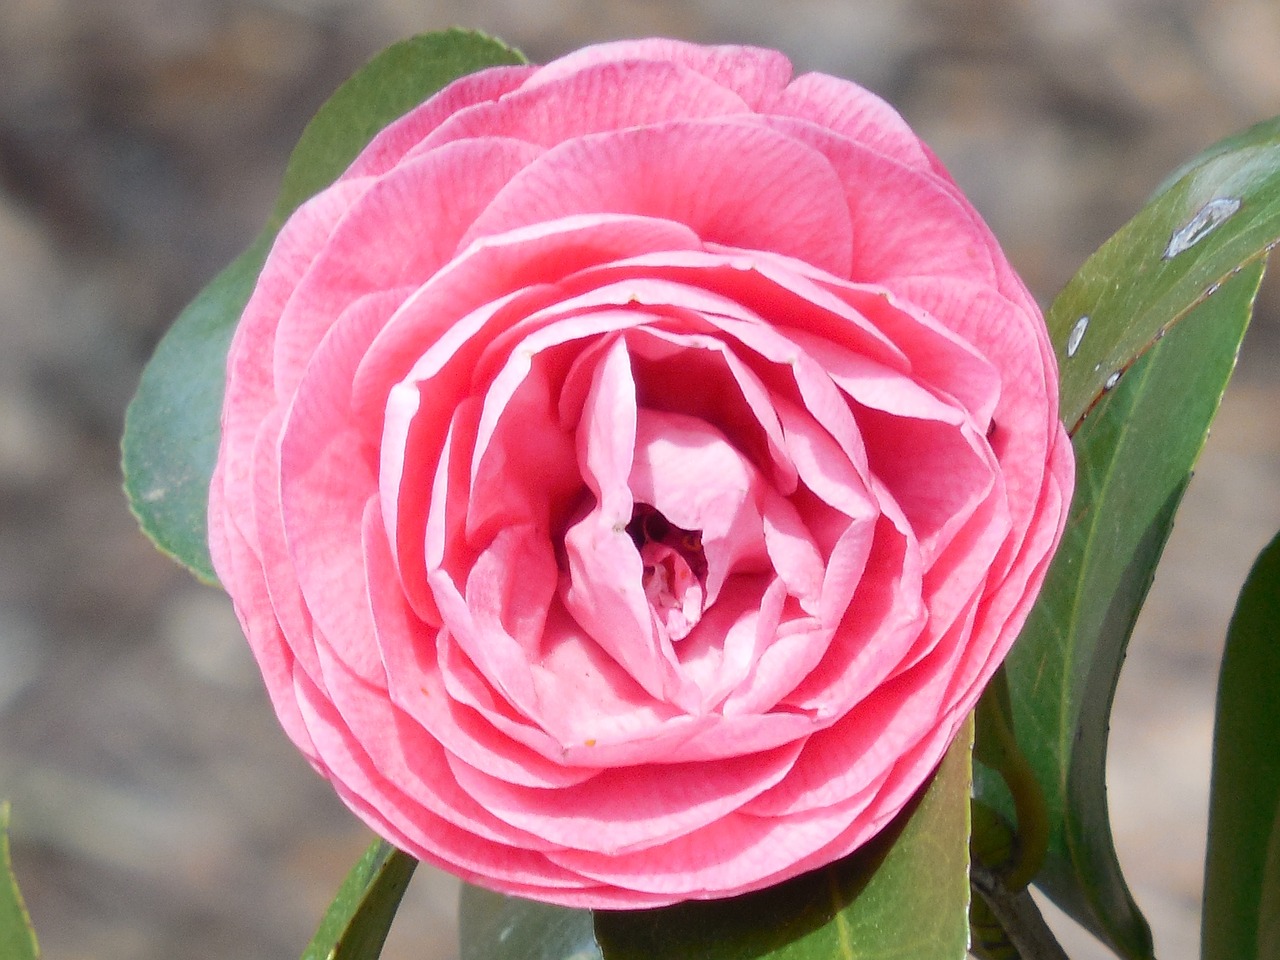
x=632, y=470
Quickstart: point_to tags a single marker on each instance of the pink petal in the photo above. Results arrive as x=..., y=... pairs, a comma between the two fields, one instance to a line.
x=1005, y=608
x=273, y=552
x=587, y=709
x=1025, y=417
x=756, y=286
x=603, y=590
x=390, y=145
x=250, y=393
x=414, y=761
x=523, y=470
x=512, y=584
x=695, y=478
x=885, y=618
x=416, y=682
x=942, y=356
x=871, y=384
x=824, y=467
x=497, y=654
x=701, y=376
x=797, y=560
x=456, y=304
x=724, y=858
x=754, y=74
x=327, y=479
x=721, y=650
x=597, y=98
x=938, y=474
x=844, y=108
x=906, y=222
x=244, y=579
x=695, y=173
x=380, y=243
x=635, y=807
x=842, y=761
x=419, y=831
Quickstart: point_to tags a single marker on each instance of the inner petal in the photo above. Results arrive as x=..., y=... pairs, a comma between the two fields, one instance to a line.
x=701, y=484
x=674, y=570
x=674, y=593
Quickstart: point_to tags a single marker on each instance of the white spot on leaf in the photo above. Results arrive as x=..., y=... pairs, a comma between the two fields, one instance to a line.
x=1206, y=220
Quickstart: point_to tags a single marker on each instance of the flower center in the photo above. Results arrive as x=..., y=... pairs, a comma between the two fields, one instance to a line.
x=675, y=569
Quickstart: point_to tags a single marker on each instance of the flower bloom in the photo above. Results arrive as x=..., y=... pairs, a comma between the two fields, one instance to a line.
x=632, y=470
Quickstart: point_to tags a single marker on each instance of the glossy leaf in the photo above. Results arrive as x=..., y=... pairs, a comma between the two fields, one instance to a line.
x=1242, y=868
x=1222, y=212
x=904, y=896
x=1134, y=455
x=492, y=926
x=172, y=425
x=357, y=922
x=17, y=938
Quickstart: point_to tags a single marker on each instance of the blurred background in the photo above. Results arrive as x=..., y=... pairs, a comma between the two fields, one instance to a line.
x=158, y=811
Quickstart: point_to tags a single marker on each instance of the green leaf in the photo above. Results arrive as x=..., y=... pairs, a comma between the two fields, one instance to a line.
x=1222, y=213
x=903, y=896
x=356, y=924
x=1269, y=900
x=1174, y=261
x=1134, y=456
x=1242, y=867
x=493, y=926
x=17, y=938
x=172, y=426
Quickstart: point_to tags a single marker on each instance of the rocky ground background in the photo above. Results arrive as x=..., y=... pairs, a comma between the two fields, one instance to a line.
x=158, y=811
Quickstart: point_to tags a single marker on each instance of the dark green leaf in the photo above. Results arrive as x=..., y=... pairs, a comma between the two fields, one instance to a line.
x=1134, y=455
x=17, y=939
x=1242, y=875
x=172, y=426
x=496, y=927
x=904, y=896
x=1269, y=900
x=1223, y=212
x=356, y=924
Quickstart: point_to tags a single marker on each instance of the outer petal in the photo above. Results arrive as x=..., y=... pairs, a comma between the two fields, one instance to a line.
x=694, y=173
x=594, y=99
x=751, y=72
x=391, y=144
x=858, y=115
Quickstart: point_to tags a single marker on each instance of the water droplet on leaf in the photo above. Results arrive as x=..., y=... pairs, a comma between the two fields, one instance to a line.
x=1112, y=380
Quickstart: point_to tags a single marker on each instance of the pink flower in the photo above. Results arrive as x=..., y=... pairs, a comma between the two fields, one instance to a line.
x=632, y=470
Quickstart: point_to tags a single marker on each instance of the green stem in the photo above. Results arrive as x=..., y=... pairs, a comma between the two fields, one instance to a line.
x=1018, y=914
x=997, y=747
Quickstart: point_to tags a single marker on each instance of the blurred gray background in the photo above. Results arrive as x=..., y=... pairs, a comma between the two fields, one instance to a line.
x=159, y=812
